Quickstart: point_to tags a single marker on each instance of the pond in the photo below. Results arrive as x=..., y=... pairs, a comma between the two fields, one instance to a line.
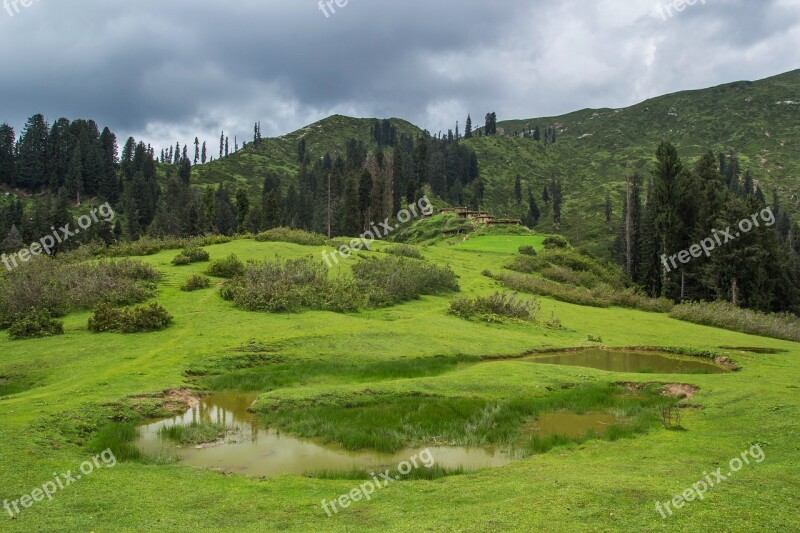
x=630, y=361
x=251, y=449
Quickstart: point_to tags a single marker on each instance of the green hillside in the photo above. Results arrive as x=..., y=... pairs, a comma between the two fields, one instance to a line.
x=249, y=165
x=595, y=147
x=759, y=120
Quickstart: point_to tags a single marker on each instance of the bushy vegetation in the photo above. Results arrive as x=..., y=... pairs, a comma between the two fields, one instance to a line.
x=230, y=267
x=291, y=285
x=296, y=236
x=496, y=307
x=555, y=241
x=403, y=250
x=527, y=250
x=391, y=280
x=196, y=283
x=57, y=288
x=141, y=319
x=727, y=316
x=148, y=245
x=433, y=228
x=194, y=433
x=35, y=324
x=189, y=255
x=576, y=277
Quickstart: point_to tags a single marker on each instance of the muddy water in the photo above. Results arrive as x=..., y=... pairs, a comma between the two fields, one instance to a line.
x=569, y=424
x=251, y=449
x=630, y=361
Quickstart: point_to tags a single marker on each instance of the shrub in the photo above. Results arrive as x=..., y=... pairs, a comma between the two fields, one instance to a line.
x=130, y=320
x=293, y=285
x=555, y=241
x=403, y=250
x=230, y=267
x=557, y=291
x=195, y=283
x=296, y=236
x=391, y=280
x=37, y=324
x=527, y=250
x=150, y=246
x=191, y=254
x=58, y=287
x=497, y=305
x=181, y=260
x=727, y=316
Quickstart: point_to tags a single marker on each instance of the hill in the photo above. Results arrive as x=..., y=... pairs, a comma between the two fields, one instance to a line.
x=595, y=149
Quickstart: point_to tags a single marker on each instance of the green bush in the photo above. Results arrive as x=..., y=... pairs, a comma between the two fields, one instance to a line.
x=129, y=320
x=403, y=250
x=497, y=305
x=35, y=325
x=195, y=283
x=59, y=287
x=189, y=255
x=527, y=250
x=557, y=291
x=727, y=316
x=292, y=285
x=150, y=246
x=555, y=241
x=296, y=236
x=392, y=280
x=230, y=267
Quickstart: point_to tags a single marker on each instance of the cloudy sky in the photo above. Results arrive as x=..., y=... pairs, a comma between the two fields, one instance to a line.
x=166, y=71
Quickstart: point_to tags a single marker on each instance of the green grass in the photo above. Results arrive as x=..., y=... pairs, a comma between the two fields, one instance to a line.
x=80, y=382
x=389, y=423
x=193, y=433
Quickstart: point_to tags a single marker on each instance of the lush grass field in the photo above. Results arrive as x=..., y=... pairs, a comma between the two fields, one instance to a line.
x=61, y=390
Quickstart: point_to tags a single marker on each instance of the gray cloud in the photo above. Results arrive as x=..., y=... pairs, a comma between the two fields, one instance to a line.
x=163, y=71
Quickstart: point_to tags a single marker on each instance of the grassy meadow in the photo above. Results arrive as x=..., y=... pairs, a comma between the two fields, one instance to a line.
x=57, y=393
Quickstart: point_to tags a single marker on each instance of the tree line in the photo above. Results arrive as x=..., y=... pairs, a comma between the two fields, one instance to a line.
x=678, y=206
x=339, y=194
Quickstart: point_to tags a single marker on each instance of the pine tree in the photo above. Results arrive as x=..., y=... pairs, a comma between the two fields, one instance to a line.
x=8, y=173
x=225, y=212
x=518, y=189
x=557, y=198
x=196, y=150
x=203, y=154
x=468, y=128
x=32, y=154
x=546, y=195
x=221, y=144
x=226, y=147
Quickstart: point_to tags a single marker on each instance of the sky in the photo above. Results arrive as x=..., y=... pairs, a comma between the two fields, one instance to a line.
x=167, y=71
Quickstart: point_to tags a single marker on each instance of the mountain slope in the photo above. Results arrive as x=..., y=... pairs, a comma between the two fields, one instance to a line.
x=759, y=120
x=595, y=149
x=250, y=165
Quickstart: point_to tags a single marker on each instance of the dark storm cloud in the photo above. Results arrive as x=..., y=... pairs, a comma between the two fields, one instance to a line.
x=173, y=70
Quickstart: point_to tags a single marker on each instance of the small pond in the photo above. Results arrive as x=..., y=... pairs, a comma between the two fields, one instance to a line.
x=630, y=361
x=251, y=449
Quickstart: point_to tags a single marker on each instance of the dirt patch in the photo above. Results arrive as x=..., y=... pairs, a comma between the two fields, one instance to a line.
x=680, y=390
x=175, y=400
x=676, y=390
